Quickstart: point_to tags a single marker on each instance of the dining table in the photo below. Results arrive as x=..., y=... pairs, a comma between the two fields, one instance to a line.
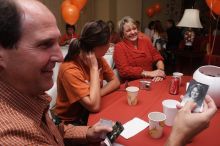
x=114, y=106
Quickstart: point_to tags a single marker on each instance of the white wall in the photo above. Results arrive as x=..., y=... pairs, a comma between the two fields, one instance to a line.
x=131, y=8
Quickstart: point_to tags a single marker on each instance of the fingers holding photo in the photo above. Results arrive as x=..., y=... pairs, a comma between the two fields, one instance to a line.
x=209, y=107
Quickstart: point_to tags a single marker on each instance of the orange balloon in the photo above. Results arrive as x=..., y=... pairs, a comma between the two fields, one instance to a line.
x=65, y=3
x=157, y=7
x=79, y=3
x=70, y=14
x=214, y=5
x=150, y=12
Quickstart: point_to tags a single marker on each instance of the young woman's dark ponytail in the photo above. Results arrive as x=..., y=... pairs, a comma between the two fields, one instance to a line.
x=74, y=50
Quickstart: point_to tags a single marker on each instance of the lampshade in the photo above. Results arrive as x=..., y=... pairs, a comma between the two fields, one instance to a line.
x=190, y=19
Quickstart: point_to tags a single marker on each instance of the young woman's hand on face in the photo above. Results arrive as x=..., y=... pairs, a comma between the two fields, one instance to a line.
x=89, y=59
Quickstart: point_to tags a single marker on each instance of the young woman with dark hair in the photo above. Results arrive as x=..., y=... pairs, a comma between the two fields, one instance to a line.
x=81, y=75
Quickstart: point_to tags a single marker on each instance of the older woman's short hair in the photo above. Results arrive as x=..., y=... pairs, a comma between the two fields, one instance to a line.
x=122, y=22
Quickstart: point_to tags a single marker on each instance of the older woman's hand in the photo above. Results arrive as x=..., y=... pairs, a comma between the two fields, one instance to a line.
x=157, y=79
x=157, y=75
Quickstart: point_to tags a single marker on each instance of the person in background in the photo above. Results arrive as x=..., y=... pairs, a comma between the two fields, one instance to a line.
x=135, y=55
x=138, y=24
x=23, y=102
x=114, y=36
x=29, y=50
x=159, y=36
x=149, y=31
x=69, y=35
x=81, y=75
x=174, y=35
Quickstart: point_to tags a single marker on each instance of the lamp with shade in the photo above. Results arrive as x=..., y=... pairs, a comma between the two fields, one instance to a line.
x=190, y=20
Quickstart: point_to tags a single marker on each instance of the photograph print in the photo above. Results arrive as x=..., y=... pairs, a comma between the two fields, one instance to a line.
x=196, y=92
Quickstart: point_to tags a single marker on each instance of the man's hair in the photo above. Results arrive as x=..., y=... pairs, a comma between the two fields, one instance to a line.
x=10, y=23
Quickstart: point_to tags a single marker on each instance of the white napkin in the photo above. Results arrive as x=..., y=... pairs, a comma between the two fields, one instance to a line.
x=133, y=127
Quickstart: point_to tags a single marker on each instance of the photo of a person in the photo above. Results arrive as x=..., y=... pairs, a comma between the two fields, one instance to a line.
x=196, y=92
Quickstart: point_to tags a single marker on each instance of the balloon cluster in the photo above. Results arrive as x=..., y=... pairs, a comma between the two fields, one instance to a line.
x=214, y=5
x=70, y=10
x=153, y=9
